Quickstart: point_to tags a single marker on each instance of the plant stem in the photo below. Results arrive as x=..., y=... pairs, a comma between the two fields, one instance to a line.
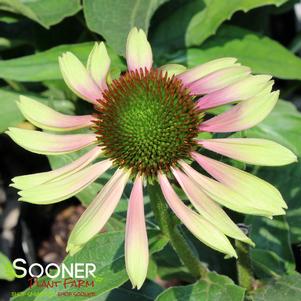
x=244, y=267
x=169, y=228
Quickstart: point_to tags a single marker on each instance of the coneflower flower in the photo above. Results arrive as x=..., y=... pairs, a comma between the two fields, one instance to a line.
x=145, y=125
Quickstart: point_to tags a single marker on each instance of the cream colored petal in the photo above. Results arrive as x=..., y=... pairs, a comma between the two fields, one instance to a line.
x=48, y=119
x=227, y=197
x=62, y=189
x=208, y=208
x=30, y=181
x=99, y=64
x=98, y=212
x=251, y=150
x=78, y=79
x=197, y=225
x=138, y=50
x=50, y=144
x=136, y=243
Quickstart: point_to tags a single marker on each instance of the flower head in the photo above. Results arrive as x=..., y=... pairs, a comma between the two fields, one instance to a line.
x=145, y=125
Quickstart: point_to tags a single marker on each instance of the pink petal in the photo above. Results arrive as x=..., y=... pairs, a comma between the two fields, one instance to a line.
x=241, y=90
x=46, y=118
x=78, y=78
x=251, y=150
x=50, y=144
x=136, y=243
x=260, y=193
x=200, y=227
x=243, y=115
x=29, y=181
x=200, y=71
x=208, y=208
x=62, y=189
x=218, y=80
x=226, y=196
x=98, y=212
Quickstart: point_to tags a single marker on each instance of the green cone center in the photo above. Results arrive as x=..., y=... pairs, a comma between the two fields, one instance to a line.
x=147, y=122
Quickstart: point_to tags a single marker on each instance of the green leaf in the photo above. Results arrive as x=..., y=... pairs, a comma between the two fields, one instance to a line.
x=44, y=65
x=287, y=288
x=7, y=271
x=287, y=180
x=262, y=54
x=113, y=19
x=272, y=255
x=10, y=114
x=215, y=288
x=45, y=12
x=106, y=251
x=283, y=125
x=206, y=22
x=148, y=292
x=176, y=15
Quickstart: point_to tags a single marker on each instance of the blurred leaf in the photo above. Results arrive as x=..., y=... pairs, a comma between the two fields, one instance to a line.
x=287, y=179
x=267, y=263
x=215, y=288
x=113, y=19
x=175, y=14
x=106, y=251
x=272, y=255
x=148, y=292
x=262, y=54
x=7, y=43
x=10, y=114
x=283, y=125
x=7, y=271
x=45, y=12
x=287, y=288
x=44, y=65
x=206, y=22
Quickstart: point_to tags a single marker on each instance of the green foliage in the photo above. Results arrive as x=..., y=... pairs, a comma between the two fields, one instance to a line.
x=114, y=24
x=45, y=12
x=261, y=53
x=7, y=271
x=44, y=65
x=214, y=288
x=284, y=288
x=205, y=23
x=283, y=125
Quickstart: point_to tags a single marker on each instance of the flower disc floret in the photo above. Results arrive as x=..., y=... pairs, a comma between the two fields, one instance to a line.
x=147, y=122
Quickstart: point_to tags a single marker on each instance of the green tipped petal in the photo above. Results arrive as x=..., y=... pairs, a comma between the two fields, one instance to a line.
x=99, y=64
x=30, y=181
x=138, y=50
x=48, y=119
x=228, y=197
x=200, y=71
x=98, y=212
x=62, y=189
x=173, y=69
x=50, y=144
x=258, y=192
x=251, y=150
x=209, y=209
x=197, y=225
